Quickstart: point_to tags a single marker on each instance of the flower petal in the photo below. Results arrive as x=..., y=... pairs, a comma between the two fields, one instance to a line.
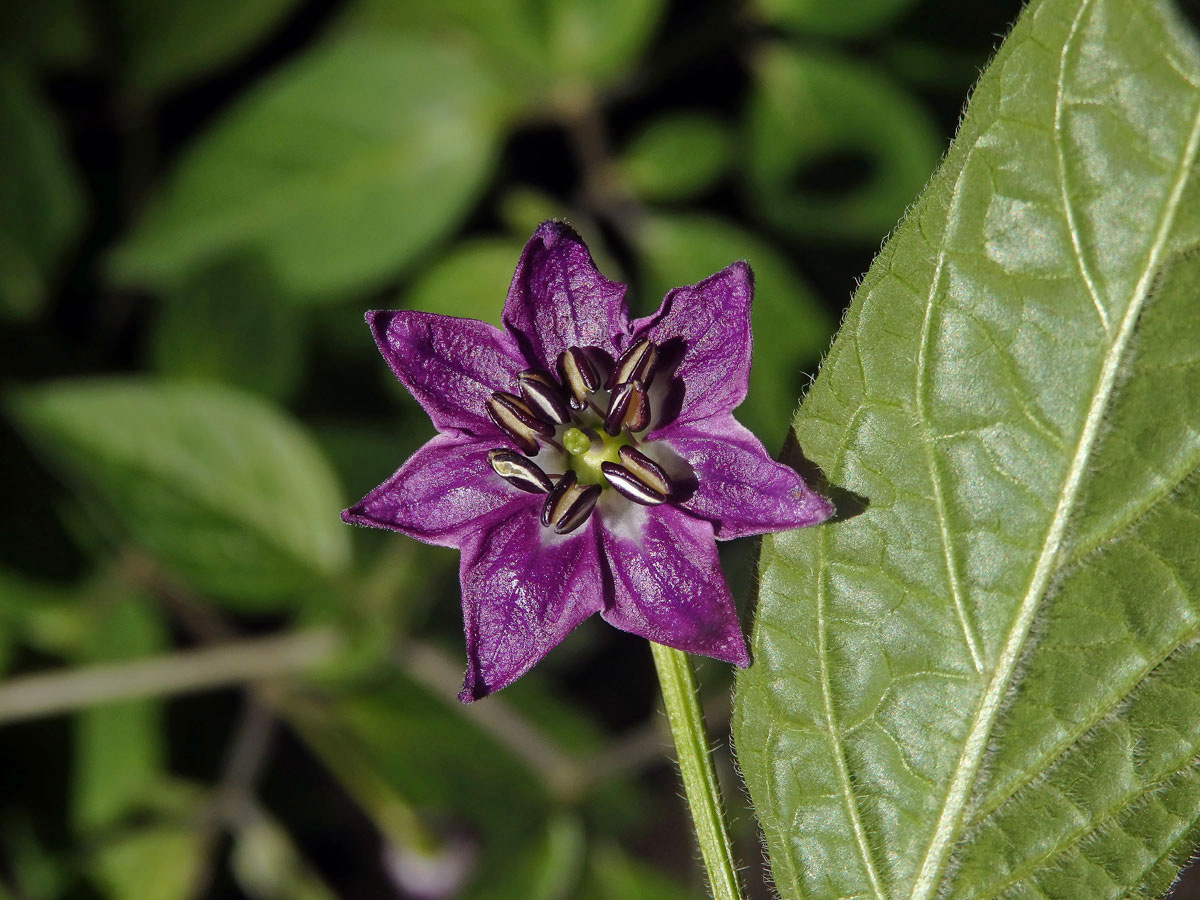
x=559, y=299
x=450, y=365
x=524, y=589
x=668, y=587
x=704, y=331
x=739, y=487
x=444, y=492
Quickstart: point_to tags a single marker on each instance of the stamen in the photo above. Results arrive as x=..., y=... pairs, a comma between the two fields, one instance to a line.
x=630, y=486
x=518, y=421
x=638, y=362
x=542, y=393
x=629, y=408
x=519, y=471
x=569, y=504
x=578, y=374
x=647, y=470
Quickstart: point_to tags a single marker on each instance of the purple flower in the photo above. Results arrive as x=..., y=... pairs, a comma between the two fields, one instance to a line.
x=585, y=463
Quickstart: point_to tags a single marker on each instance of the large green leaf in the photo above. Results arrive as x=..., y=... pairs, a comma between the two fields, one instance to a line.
x=223, y=487
x=987, y=682
x=339, y=171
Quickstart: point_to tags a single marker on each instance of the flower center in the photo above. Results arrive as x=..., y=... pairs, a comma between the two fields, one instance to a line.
x=586, y=453
x=598, y=444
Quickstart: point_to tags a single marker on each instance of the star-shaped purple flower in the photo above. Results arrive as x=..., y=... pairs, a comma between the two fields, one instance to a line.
x=585, y=463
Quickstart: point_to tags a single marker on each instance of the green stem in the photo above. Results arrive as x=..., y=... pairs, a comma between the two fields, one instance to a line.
x=696, y=769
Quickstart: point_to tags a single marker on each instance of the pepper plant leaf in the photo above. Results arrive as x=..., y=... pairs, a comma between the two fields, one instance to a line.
x=984, y=681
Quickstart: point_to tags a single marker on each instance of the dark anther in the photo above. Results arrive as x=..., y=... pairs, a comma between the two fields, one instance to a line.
x=636, y=363
x=542, y=393
x=629, y=407
x=630, y=486
x=578, y=374
x=519, y=471
x=646, y=470
x=518, y=421
x=569, y=504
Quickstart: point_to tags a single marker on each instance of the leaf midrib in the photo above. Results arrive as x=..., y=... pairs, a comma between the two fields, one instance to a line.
x=929, y=878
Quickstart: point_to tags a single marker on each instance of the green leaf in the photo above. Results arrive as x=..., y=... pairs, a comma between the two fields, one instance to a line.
x=987, y=682
x=228, y=324
x=599, y=41
x=36, y=871
x=41, y=210
x=549, y=866
x=223, y=487
x=52, y=33
x=523, y=207
x=169, y=42
x=268, y=866
x=118, y=748
x=425, y=752
x=471, y=281
x=58, y=619
x=808, y=108
x=933, y=66
x=615, y=875
x=339, y=171
x=791, y=329
x=546, y=51
x=156, y=863
x=849, y=18
x=676, y=157
x=508, y=36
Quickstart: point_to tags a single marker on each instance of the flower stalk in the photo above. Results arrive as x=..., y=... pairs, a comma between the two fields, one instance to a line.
x=696, y=770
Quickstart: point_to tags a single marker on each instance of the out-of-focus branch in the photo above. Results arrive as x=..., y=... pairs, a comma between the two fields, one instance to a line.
x=563, y=776
x=235, y=662
x=646, y=746
x=602, y=191
x=233, y=802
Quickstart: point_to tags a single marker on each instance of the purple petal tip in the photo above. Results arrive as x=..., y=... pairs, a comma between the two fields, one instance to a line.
x=466, y=696
x=741, y=658
x=819, y=509
x=553, y=230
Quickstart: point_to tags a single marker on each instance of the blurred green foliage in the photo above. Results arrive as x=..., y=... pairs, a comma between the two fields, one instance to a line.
x=169, y=43
x=199, y=201
x=226, y=490
x=41, y=210
x=334, y=170
x=676, y=157
x=808, y=106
